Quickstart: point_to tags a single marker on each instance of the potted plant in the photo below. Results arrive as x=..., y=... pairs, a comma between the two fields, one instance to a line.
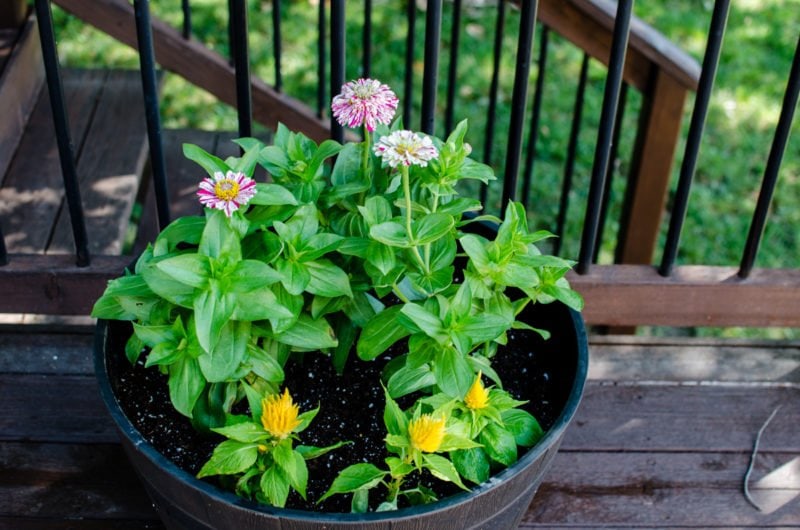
x=346, y=346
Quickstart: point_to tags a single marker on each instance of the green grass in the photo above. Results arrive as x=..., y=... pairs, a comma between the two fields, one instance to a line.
x=747, y=97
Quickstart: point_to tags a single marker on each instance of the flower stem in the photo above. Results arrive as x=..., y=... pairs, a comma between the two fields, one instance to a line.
x=407, y=193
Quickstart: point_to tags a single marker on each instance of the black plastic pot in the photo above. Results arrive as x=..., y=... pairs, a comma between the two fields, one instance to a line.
x=184, y=502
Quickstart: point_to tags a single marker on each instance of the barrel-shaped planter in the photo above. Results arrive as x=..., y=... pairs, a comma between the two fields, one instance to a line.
x=184, y=502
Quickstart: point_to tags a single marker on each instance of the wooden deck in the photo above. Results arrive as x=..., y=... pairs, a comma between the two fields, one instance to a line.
x=662, y=439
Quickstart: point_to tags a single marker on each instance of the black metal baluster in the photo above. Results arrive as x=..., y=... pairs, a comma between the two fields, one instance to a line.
x=572, y=149
x=276, y=43
x=493, y=89
x=519, y=97
x=65, y=153
x=710, y=61
x=231, y=37
x=533, y=136
x=337, y=60
x=147, y=64
x=241, y=62
x=430, y=75
x=773, y=167
x=366, y=41
x=3, y=250
x=452, y=67
x=623, y=99
x=411, y=16
x=616, y=62
x=187, y=19
x=322, y=24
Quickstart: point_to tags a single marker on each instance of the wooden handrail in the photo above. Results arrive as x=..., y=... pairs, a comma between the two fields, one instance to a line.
x=664, y=74
x=199, y=65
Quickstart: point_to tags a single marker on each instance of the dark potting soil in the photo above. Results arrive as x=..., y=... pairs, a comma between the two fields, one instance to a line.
x=351, y=408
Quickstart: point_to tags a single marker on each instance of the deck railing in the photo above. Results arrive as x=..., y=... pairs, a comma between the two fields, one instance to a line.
x=631, y=292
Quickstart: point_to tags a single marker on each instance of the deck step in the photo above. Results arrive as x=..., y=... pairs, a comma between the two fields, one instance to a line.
x=108, y=132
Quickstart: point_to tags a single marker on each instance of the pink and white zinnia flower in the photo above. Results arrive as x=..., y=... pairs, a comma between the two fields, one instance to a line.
x=406, y=148
x=364, y=102
x=226, y=192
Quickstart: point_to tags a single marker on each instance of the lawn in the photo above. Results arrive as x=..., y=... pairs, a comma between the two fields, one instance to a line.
x=757, y=54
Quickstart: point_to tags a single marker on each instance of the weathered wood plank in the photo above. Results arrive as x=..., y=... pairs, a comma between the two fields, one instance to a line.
x=199, y=65
x=19, y=523
x=110, y=167
x=53, y=285
x=660, y=490
x=52, y=481
x=21, y=80
x=631, y=295
x=46, y=353
x=689, y=362
x=33, y=408
x=33, y=188
x=688, y=417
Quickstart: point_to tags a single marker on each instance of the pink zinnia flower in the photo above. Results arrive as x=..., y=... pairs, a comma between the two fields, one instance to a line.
x=406, y=148
x=226, y=192
x=364, y=102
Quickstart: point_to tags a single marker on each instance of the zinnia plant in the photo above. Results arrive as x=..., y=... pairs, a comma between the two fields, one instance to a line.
x=359, y=249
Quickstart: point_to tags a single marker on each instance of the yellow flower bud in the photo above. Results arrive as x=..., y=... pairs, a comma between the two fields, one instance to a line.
x=426, y=433
x=279, y=415
x=477, y=396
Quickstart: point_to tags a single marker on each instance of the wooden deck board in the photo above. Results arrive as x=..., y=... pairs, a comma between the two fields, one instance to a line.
x=643, y=452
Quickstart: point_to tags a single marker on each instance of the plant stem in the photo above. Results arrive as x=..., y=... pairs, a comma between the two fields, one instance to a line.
x=407, y=192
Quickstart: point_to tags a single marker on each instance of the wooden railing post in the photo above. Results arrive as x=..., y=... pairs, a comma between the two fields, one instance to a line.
x=12, y=13
x=651, y=168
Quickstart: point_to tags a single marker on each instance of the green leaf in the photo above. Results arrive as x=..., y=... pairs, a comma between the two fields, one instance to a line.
x=193, y=270
x=163, y=354
x=383, y=257
x=318, y=245
x=293, y=465
x=309, y=452
x=246, y=432
x=264, y=365
x=437, y=280
x=259, y=304
x=360, y=502
x=223, y=360
x=390, y=233
x=272, y=195
x=393, y=417
x=209, y=162
x=187, y=229
x=453, y=374
x=305, y=419
x=523, y=426
x=327, y=279
x=566, y=295
x=219, y=240
x=167, y=288
x=212, y=310
x=355, y=477
x=425, y=321
x=453, y=442
x=133, y=348
x=186, y=384
x=154, y=335
x=379, y=333
x=407, y=380
x=397, y=467
x=475, y=248
x=251, y=274
x=499, y=444
x=230, y=457
x=295, y=276
x=432, y=227
x=442, y=468
x=376, y=210
x=472, y=464
x=308, y=334
x=484, y=327
x=275, y=486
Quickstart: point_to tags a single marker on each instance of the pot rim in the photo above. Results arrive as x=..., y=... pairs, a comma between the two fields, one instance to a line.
x=551, y=437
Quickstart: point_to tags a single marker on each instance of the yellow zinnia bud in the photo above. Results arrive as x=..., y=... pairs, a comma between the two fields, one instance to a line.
x=477, y=396
x=279, y=414
x=426, y=433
